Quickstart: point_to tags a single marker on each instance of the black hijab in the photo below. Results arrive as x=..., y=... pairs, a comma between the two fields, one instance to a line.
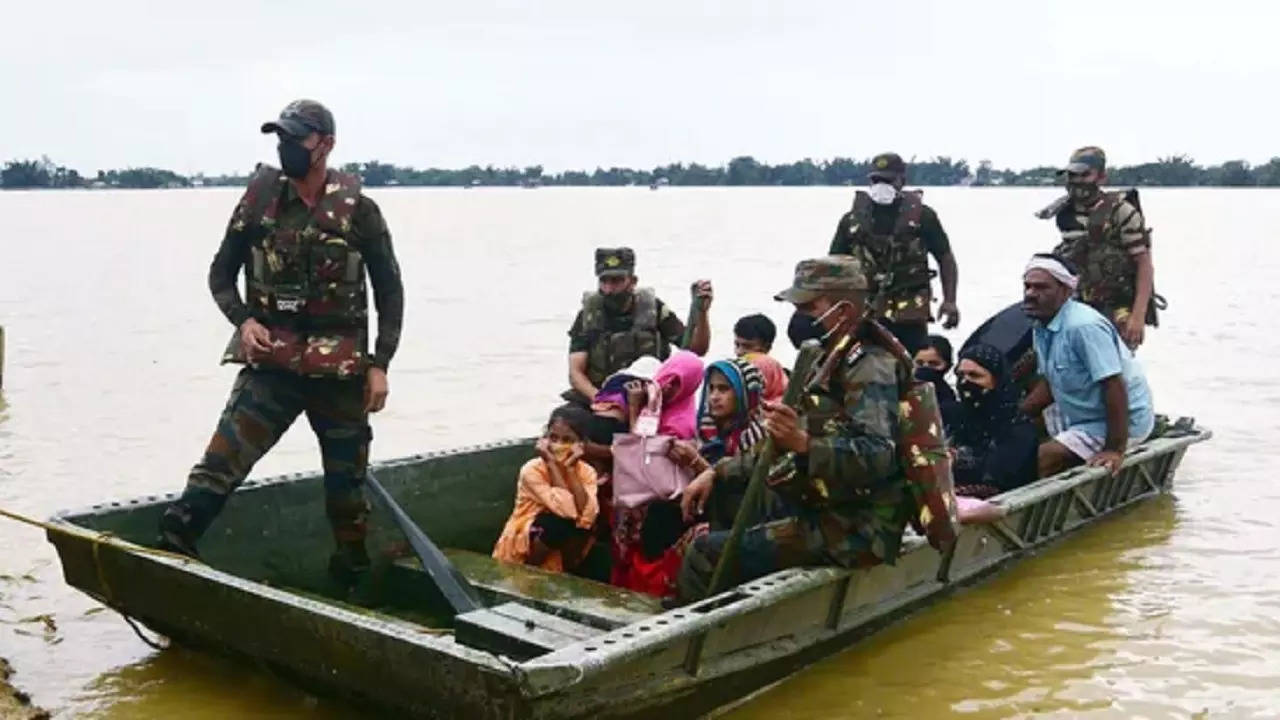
x=984, y=414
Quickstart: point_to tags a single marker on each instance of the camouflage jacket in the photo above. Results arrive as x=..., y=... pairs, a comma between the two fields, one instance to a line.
x=1103, y=242
x=851, y=481
x=305, y=271
x=900, y=261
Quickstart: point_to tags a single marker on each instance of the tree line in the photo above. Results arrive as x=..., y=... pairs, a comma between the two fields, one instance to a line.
x=1173, y=171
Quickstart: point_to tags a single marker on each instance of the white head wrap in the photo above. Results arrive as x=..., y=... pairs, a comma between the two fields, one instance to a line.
x=1054, y=268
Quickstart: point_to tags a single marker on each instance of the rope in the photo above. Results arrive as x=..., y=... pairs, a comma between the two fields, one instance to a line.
x=99, y=539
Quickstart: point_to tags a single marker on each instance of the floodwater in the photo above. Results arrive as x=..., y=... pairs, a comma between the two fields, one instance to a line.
x=111, y=387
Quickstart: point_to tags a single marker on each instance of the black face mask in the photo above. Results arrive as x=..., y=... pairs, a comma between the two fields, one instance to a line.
x=924, y=373
x=1082, y=191
x=616, y=302
x=295, y=160
x=804, y=327
x=973, y=395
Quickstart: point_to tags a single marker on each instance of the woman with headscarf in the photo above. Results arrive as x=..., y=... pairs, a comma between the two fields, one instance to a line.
x=772, y=373
x=995, y=443
x=730, y=423
x=646, y=538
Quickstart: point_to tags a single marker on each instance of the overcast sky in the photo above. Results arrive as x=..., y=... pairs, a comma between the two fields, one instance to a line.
x=578, y=84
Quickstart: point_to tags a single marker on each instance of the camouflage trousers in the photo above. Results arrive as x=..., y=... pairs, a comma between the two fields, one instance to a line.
x=262, y=406
x=795, y=541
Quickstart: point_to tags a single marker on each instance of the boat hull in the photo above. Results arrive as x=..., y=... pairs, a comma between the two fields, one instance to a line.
x=637, y=663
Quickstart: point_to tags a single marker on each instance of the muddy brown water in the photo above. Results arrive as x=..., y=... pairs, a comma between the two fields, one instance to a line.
x=112, y=387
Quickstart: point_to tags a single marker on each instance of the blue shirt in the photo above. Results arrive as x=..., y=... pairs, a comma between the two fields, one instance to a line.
x=1075, y=352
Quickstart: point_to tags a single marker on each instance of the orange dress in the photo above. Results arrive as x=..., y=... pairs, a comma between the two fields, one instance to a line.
x=535, y=494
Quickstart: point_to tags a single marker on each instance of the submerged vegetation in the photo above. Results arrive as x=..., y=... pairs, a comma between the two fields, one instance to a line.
x=1173, y=171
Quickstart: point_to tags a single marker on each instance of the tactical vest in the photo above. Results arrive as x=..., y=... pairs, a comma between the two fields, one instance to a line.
x=307, y=285
x=898, y=262
x=921, y=493
x=1108, y=273
x=609, y=352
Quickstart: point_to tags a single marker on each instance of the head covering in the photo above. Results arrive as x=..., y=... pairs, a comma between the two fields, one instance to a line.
x=680, y=411
x=818, y=276
x=615, y=262
x=773, y=374
x=746, y=427
x=888, y=166
x=1054, y=267
x=1089, y=157
x=300, y=118
x=982, y=418
x=611, y=392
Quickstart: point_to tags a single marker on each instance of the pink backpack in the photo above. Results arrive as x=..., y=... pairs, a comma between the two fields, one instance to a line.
x=642, y=472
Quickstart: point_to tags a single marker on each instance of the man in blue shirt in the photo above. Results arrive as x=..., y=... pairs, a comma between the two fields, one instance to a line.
x=1101, y=402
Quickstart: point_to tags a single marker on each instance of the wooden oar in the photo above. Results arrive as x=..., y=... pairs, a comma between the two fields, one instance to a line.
x=453, y=585
x=724, y=573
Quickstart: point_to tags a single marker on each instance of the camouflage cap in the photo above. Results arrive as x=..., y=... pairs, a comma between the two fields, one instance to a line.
x=816, y=277
x=1090, y=157
x=300, y=118
x=615, y=261
x=888, y=165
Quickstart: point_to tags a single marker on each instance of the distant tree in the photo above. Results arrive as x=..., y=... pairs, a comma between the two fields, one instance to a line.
x=376, y=174
x=24, y=174
x=744, y=170
x=1269, y=174
x=984, y=175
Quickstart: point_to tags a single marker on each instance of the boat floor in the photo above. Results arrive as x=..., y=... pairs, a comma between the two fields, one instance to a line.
x=585, y=601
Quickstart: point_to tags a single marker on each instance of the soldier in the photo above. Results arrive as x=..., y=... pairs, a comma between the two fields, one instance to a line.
x=619, y=324
x=1106, y=237
x=305, y=236
x=838, y=462
x=893, y=232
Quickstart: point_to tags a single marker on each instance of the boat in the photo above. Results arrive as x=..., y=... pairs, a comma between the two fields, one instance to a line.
x=549, y=645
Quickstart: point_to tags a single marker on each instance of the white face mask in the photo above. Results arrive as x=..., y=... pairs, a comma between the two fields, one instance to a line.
x=882, y=193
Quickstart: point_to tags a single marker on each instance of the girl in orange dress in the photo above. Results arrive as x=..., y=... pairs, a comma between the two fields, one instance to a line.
x=555, y=506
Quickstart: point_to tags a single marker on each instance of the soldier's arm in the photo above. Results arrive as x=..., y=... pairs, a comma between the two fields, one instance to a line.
x=384, y=271
x=840, y=244
x=862, y=450
x=579, y=345
x=673, y=330
x=224, y=272
x=1135, y=238
x=939, y=245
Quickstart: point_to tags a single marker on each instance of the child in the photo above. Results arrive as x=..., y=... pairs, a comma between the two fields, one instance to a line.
x=555, y=508
x=753, y=334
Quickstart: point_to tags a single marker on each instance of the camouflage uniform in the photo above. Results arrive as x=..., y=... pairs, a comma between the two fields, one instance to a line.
x=614, y=340
x=1104, y=240
x=849, y=493
x=305, y=279
x=894, y=242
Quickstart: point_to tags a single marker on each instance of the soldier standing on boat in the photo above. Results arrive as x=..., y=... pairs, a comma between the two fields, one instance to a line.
x=1105, y=235
x=619, y=324
x=893, y=232
x=838, y=463
x=305, y=237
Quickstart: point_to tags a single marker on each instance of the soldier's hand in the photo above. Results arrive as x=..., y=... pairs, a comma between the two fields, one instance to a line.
x=782, y=423
x=255, y=339
x=694, y=498
x=375, y=390
x=1133, y=332
x=949, y=314
x=702, y=291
